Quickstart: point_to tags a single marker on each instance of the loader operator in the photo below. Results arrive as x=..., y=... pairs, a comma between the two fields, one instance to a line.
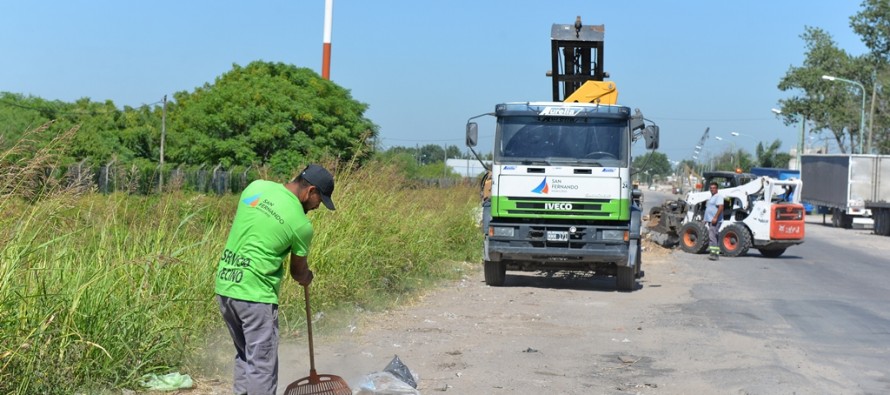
x=270, y=224
x=713, y=219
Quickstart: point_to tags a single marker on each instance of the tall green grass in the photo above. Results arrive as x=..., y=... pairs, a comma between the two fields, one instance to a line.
x=98, y=290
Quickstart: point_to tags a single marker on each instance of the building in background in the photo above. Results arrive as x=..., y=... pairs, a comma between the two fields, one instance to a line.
x=468, y=168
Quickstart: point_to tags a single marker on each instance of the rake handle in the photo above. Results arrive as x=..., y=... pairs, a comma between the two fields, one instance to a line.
x=313, y=376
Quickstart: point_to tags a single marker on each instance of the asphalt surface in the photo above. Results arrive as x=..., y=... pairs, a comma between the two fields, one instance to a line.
x=814, y=321
x=827, y=298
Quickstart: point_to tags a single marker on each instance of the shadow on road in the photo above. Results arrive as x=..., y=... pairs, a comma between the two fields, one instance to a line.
x=562, y=280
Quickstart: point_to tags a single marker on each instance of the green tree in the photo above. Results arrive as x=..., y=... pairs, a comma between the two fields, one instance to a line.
x=872, y=24
x=269, y=114
x=825, y=105
x=655, y=163
x=431, y=153
x=770, y=156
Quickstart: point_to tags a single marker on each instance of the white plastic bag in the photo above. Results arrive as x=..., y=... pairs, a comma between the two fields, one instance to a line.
x=384, y=383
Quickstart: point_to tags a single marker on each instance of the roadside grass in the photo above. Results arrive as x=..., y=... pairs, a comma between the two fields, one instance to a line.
x=98, y=290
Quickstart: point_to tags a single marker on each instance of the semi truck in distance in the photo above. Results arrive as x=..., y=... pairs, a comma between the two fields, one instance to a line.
x=854, y=189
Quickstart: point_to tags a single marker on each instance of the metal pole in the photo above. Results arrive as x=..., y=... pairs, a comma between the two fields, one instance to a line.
x=444, y=163
x=800, y=147
x=326, y=46
x=862, y=108
x=861, y=118
x=871, y=115
x=163, y=137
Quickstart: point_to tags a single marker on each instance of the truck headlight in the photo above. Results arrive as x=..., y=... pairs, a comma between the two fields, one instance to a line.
x=613, y=235
x=501, y=231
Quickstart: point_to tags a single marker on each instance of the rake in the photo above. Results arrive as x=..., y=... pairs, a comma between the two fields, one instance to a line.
x=316, y=384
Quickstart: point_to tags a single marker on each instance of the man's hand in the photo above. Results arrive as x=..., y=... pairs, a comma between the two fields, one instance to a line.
x=306, y=278
x=299, y=270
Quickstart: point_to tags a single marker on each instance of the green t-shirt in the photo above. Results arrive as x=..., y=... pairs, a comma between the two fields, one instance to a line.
x=269, y=224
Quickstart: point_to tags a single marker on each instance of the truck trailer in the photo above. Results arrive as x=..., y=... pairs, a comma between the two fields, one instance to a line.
x=847, y=187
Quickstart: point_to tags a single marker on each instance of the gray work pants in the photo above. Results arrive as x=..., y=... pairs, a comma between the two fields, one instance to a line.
x=713, y=230
x=254, y=330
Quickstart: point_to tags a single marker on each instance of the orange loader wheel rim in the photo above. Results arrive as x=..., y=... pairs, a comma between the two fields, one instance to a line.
x=730, y=241
x=689, y=238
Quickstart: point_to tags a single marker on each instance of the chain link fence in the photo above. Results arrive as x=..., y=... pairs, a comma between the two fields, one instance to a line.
x=132, y=179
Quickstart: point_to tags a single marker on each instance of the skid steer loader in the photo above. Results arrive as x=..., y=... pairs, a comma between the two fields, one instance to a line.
x=764, y=213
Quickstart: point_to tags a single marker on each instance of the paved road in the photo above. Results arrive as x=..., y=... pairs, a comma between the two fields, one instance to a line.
x=814, y=321
x=828, y=300
x=829, y=297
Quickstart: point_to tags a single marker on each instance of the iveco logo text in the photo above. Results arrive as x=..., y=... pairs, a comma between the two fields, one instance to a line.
x=558, y=206
x=560, y=111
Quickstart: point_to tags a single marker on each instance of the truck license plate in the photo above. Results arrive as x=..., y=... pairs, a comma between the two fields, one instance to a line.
x=557, y=236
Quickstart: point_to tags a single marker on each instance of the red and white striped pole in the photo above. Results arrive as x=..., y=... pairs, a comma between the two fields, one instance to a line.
x=326, y=52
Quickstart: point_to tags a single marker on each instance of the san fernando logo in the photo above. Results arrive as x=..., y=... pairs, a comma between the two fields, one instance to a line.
x=252, y=201
x=542, y=188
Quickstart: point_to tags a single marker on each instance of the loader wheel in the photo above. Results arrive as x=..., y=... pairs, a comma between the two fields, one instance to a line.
x=495, y=273
x=734, y=240
x=772, y=253
x=693, y=237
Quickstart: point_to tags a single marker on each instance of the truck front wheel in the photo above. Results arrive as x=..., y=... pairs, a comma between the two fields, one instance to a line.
x=495, y=273
x=626, y=279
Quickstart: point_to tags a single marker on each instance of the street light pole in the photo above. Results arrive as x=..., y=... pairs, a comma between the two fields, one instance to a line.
x=862, y=112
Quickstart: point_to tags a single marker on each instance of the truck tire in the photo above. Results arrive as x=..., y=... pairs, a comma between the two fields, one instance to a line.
x=840, y=219
x=495, y=273
x=626, y=278
x=772, y=253
x=693, y=237
x=734, y=240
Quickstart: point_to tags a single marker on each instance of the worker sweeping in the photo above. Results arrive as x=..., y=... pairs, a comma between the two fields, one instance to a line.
x=269, y=224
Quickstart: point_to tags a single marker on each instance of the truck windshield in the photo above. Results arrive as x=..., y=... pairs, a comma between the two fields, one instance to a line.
x=578, y=140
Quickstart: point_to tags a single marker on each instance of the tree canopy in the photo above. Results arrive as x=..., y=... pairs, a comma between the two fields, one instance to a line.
x=269, y=114
x=836, y=106
x=262, y=114
x=652, y=163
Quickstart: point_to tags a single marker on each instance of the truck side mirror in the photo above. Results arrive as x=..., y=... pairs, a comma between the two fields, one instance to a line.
x=651, y=136
x=472, y=134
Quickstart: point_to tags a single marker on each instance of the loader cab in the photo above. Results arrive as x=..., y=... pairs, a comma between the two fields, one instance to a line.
x=726, y=179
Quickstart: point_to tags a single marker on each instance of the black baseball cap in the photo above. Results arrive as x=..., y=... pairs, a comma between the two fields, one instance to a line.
x=322, y=180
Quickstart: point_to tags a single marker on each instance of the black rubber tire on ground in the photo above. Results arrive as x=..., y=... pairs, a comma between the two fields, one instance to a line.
x=734, y=240
x=772, y=253
x=693, y=237
x=626, y=278
x=495, y=273
x=847, y=221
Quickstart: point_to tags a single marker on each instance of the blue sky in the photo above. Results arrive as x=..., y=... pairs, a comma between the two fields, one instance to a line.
x=425, y=67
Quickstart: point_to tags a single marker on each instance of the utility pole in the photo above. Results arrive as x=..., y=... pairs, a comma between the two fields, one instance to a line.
x=163, y=136
x=871, y=115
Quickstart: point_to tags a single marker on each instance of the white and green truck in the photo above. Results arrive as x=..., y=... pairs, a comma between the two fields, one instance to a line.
x=559, y=196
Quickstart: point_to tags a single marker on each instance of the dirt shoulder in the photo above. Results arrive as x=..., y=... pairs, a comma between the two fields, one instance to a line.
x=534, y=335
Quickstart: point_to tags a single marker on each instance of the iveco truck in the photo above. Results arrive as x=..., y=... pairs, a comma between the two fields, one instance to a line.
x=558, y=195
